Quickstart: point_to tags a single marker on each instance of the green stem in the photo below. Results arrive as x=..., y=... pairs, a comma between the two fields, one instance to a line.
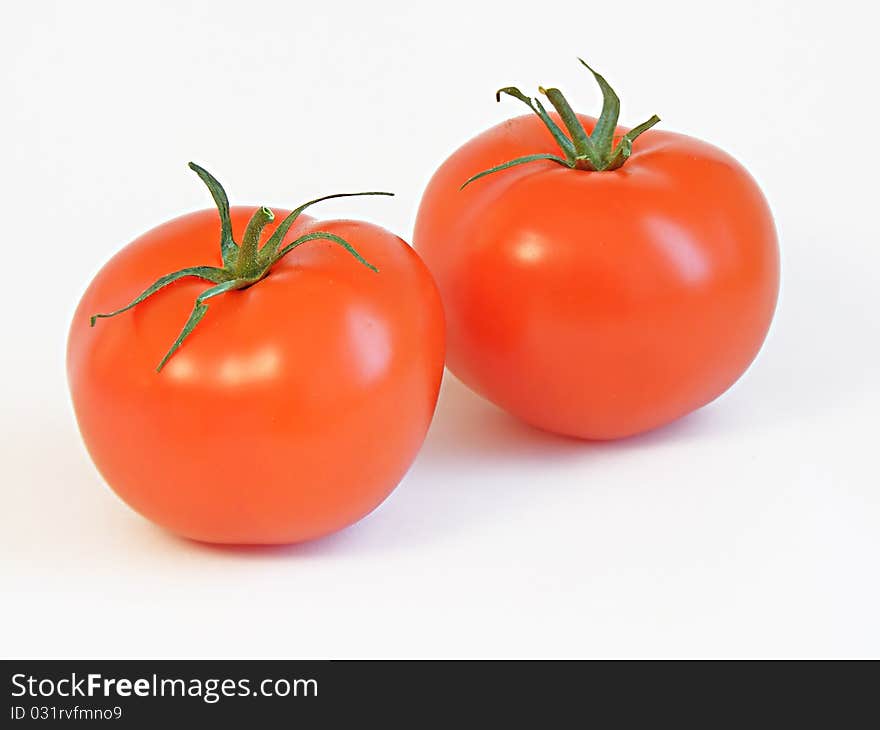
x=595, y=152
x=242, y=265
x=247, y=256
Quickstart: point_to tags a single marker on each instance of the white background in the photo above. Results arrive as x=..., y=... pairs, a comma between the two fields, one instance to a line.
x=750, y=528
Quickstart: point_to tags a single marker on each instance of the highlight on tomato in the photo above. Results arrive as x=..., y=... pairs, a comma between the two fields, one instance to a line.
x=598, y=281
x=273, y=389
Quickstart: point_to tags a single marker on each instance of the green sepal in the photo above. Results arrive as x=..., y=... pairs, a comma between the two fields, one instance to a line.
x=517, y=161
x=329, y=237
x=209, y=273
x=536, y=106
x=602, y=137
x=198, y=312
x=624, y=146
x=270, y=248
x=228, y=246
x=582, y=143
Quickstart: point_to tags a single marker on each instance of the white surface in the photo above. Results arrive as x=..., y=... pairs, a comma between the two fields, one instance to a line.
x=749, y=528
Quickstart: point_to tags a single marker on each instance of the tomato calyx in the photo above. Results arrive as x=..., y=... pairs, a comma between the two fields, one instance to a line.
x=243, y=265
x=596, y=152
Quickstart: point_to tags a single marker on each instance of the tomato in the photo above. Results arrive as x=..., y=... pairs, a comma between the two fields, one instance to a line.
x=295, y=405
x=598, y=293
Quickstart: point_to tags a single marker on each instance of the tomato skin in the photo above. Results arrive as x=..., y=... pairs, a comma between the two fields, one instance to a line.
x=296, y=405
x=599, y=304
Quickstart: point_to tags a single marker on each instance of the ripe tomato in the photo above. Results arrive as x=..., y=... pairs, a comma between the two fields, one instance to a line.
x=595, y=301
x=292, y=409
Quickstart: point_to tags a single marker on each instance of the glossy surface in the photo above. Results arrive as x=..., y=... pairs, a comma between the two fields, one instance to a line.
x=599, y=304
x=293, y=409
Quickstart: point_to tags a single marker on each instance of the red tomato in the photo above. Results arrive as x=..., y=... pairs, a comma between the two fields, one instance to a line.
x=599, y=304
x=294, y=407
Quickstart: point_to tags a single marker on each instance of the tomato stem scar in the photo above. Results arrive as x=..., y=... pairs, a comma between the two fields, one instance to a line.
x=594, y=152
x=243, y=265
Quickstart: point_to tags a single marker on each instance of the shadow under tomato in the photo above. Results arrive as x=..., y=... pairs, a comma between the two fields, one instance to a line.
x=466, y=425
x=340, y=542
x=466, y=459
x=480, y=466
